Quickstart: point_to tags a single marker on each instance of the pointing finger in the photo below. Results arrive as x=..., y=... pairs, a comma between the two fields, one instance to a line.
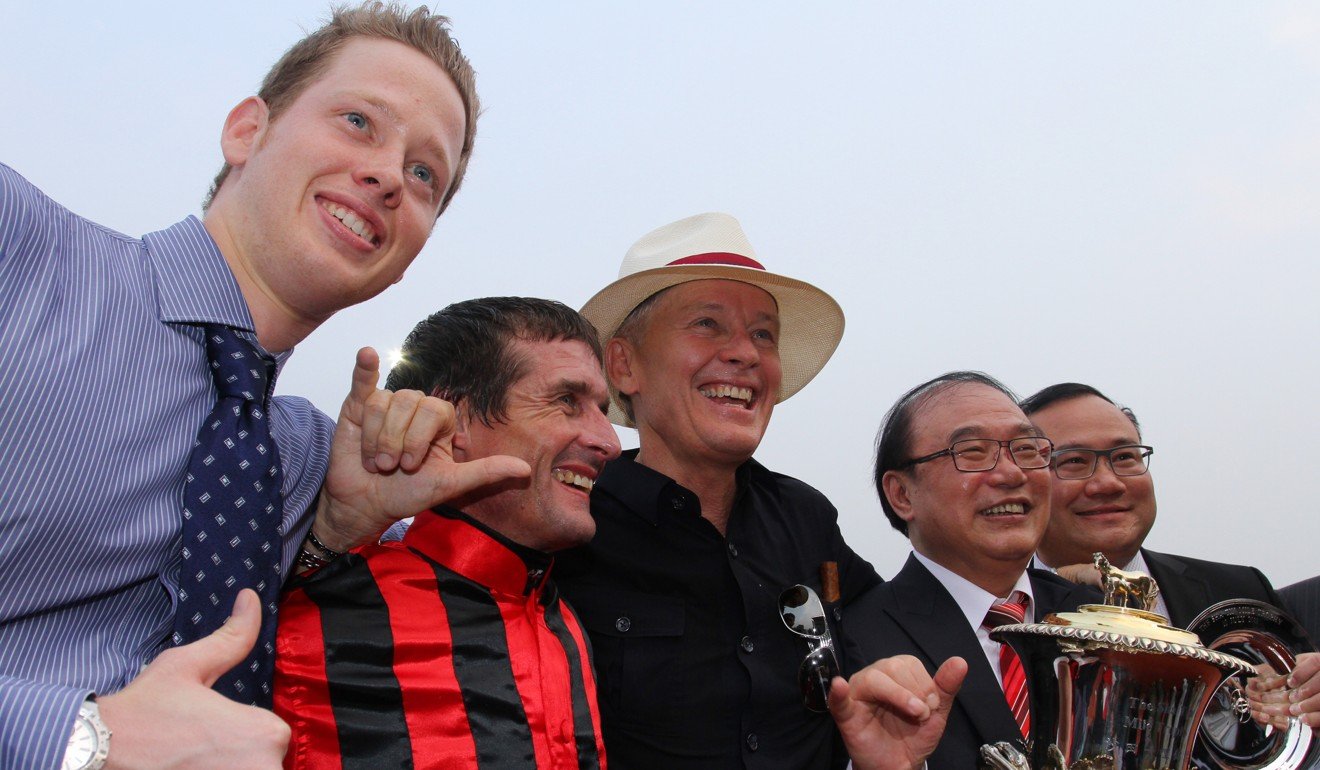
x=877, y=687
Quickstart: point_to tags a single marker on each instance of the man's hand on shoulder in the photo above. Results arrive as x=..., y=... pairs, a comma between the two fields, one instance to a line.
x=169, y=717
x=892, y=713
x=393, y=457
x=1085, y=574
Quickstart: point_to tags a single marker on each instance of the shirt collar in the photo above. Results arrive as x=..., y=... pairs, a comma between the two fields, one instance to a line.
x=194, y=284
x=1138, y=564
x=634, y=485
x=646, y=491
x=973, y=600
x=477, y=552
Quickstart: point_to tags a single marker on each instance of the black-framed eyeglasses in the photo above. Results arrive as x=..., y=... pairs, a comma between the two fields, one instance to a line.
x=1128, y=460
x=974, y=455
x=804, y=615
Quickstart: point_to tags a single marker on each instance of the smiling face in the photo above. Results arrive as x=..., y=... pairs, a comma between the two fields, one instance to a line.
x=703, y=377
x=983, y=526
x=1105, y=513
x=555, y=420
x=327, y=205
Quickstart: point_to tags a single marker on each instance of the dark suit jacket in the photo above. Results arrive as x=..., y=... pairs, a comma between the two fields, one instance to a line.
x=1303, y=600
x=1191, y=585
x=913, y=614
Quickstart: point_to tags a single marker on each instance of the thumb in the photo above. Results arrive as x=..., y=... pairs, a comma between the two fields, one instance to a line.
x=948, y=680
x=838, y=700
x=366, y=373
x=209, y=657
x=474, y=474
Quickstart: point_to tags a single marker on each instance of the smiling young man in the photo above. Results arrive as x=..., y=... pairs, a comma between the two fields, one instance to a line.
x=695, y=540
x=964, y=475
x=1104, y=500
x=450, y=648
x=162, y=477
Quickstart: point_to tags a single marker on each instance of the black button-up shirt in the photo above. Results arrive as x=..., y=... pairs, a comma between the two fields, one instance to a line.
x=695, y=669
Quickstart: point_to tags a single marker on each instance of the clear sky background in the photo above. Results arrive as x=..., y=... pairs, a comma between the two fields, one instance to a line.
x=1120, y=194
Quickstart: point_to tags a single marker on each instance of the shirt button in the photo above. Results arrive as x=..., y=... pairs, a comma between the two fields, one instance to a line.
x=623, y=624
x=752, y=743
x=746, y=644
x=733, y=550
x=678, y=503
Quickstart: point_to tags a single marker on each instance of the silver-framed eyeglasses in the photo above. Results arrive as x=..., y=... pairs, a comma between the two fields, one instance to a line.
x=804, y=615
x=1127, y=460
x=975, y=455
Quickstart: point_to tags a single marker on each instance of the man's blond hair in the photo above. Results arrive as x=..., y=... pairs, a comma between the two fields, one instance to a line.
x=310, y=57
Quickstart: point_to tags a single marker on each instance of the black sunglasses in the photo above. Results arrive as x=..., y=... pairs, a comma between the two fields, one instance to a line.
x=804, y=615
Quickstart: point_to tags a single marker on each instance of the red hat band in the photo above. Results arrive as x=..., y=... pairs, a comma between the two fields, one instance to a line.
x=718, y=258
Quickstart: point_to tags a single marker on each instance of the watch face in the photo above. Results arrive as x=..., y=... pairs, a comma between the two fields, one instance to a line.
x=82, y=746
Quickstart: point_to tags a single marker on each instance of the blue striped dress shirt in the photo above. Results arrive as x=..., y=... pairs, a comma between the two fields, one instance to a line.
x=103, y=384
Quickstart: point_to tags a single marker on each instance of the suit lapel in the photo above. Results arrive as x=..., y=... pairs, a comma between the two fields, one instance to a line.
x=1054, y=594
x=1184, y=593
x=925, y=610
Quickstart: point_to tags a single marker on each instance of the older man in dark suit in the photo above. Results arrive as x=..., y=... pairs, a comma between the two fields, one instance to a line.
x=963, y=473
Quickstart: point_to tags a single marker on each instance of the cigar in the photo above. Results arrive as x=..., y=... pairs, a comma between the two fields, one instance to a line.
x=829, y=580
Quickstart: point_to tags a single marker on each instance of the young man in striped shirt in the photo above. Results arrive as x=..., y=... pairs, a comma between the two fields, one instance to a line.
x=334, y=175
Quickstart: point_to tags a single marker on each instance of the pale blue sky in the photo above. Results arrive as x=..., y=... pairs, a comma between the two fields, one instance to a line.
x=1123, y=194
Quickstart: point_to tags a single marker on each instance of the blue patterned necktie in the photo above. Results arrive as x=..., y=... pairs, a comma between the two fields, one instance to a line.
x=232, y=507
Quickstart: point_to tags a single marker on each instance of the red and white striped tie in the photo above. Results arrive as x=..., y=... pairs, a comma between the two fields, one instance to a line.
x=1002, y=612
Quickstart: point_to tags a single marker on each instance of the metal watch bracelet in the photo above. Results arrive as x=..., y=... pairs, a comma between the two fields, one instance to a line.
x=89, y=742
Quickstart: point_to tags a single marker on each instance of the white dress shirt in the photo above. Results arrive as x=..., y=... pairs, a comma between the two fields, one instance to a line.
x=1138, y=564
x=975, y=602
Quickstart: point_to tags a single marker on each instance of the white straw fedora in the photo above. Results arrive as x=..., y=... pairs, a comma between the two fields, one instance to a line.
x=713, y=246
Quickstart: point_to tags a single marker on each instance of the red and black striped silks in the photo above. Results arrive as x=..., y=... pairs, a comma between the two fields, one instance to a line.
x=449, y=649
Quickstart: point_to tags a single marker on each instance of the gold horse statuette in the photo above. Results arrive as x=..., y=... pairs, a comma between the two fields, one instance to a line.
x=1136, y=590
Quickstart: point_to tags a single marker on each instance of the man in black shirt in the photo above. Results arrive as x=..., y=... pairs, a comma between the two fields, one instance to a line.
x=695, y=541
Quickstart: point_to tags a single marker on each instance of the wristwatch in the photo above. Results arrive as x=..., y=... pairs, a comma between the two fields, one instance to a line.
x=89, y=743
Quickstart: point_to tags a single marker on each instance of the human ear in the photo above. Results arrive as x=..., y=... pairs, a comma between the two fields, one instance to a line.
x=896, y=492
x=619, y=360
x=243, y=129
x=462, y=440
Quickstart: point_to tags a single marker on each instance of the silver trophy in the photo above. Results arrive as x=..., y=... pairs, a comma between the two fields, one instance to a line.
x=1114, y=686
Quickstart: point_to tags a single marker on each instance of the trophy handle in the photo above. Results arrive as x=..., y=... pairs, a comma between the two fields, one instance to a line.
x=1263, y=635
x=1003, y=756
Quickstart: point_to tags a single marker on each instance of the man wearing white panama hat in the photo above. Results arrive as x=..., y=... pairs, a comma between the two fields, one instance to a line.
x=683, y=589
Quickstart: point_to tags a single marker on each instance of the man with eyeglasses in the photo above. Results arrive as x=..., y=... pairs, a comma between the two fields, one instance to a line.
x=1104, y=500
x=963, y=473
